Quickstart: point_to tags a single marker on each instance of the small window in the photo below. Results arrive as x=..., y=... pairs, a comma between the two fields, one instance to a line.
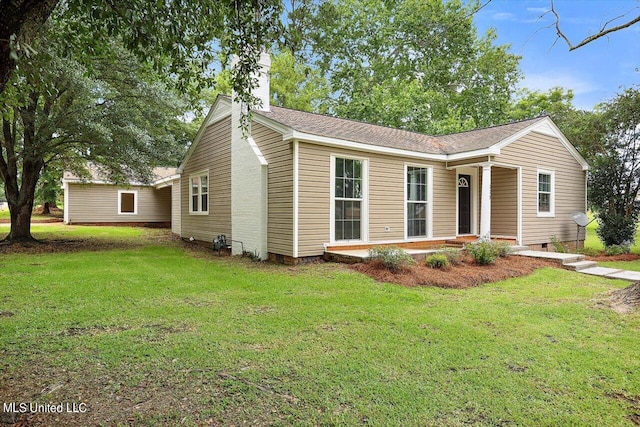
x=127, y=202
x=199, y=193
x=546, y=193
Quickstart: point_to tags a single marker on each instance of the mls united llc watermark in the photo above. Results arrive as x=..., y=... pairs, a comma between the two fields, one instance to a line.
x=44, y=408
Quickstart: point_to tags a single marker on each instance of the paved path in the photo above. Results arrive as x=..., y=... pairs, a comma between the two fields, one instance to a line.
x=578, y=263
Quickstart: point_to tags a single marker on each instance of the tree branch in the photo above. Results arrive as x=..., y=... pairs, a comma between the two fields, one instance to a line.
x=602, y=33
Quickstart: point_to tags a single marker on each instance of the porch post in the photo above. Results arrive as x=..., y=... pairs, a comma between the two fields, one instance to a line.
x=485, y=213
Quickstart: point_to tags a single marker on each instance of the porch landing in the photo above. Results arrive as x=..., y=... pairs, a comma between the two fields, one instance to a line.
x=418, y=250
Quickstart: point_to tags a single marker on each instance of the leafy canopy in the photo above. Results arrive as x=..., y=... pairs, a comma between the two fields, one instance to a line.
x=411, y=64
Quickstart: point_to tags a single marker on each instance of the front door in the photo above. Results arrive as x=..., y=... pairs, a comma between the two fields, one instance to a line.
x=464, y=204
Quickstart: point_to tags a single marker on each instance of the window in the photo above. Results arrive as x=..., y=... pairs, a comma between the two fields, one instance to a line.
x=348, y=199
x=127, y=202
x=199, y=193
x=416, y=199
x=546, y=193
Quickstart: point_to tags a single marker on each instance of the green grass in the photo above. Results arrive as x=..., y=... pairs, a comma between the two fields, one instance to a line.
x=199, y=338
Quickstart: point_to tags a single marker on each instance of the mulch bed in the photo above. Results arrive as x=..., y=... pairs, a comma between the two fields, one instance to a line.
x=622, y=257
x=465, y=275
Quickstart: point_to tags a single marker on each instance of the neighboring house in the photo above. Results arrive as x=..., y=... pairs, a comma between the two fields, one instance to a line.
x=301, y=183
x=94, y=200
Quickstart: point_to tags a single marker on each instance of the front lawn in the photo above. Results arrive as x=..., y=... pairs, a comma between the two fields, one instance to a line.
x=162, y=335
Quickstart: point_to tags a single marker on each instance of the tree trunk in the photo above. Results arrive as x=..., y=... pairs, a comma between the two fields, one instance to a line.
x=20, y=224
x=20, y=200
x=45, y=209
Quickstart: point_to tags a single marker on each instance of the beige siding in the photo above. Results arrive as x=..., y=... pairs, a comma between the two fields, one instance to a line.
x=99, y=203
x=535, y=151
x=213, y=154
x=176, y=215
x=386, y=197
x=504, y=201
x=279, y=155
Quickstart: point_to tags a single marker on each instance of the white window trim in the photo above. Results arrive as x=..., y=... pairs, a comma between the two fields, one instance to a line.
x=135, y=202
x=429, y=202
x=199, y=211
x=552, y=201
x=364, y=212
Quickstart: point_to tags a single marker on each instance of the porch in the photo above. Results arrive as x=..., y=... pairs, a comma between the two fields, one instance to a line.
x=418, y=250
x=488, y=199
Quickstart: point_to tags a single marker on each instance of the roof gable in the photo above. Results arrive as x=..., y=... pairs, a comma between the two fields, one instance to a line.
x=319, y=128
x=220, y=109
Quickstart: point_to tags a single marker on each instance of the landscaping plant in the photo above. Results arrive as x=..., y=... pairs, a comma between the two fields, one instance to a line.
x=391, y=257
x=483, y=253
x=438, y=260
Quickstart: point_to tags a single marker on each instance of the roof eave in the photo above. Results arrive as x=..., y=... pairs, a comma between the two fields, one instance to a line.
x=359, y=146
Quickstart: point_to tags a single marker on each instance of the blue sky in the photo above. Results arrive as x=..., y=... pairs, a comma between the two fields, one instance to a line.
x=595, y=72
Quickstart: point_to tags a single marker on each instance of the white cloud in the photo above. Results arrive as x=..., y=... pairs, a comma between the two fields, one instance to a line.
x=503, y=16
x=586, y=92
x=538, y=9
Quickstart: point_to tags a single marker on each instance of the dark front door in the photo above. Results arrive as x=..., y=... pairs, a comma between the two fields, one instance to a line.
x=464, y=204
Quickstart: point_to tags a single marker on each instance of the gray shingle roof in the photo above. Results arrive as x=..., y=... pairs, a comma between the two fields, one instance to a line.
x=355, y=131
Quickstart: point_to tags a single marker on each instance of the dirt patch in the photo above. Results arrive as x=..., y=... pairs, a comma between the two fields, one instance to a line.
x=465, y=275
x=66, y=245
x=627, y=299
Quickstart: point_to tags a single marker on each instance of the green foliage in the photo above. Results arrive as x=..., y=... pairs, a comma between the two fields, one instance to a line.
x=392, y=258
x=438, y=260
x=590, y=251
x=616, y=229
x=412, y=64
x=295, y=85
x=558, y=246
x=454, y=256
x=483, y=253
x=503, y=248
x=614, y=178
x=618, y=249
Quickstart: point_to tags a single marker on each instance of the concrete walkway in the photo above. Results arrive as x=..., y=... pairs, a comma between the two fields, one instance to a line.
x=578, y=263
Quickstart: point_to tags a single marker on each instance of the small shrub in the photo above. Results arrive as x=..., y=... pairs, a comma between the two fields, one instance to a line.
x=558, y=246
x=502, y=248
x=438, y=260
x=618, y=249
x=391, y=257
x=483, y=253
x=590, y=252
x=454, y=256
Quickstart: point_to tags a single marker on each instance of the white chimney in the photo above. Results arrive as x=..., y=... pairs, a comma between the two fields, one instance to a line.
x=262, y=91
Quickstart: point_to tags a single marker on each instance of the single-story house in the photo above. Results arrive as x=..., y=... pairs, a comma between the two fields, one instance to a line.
x=95, y=200
x=300, y=183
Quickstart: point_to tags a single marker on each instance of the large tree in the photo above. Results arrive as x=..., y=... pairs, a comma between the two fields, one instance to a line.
x=180, y=38
x=58, y=113
x=412, y=64
x=614, y=180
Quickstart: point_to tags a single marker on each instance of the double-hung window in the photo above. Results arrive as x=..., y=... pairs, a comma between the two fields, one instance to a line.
x=348, y=199
x=546, y=195
x=417, y=199
x=199, y=193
